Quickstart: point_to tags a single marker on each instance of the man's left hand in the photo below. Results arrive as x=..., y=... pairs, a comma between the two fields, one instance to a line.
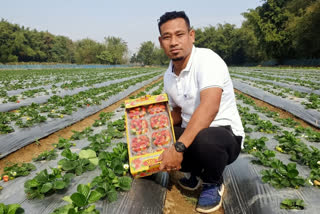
x=171, y=159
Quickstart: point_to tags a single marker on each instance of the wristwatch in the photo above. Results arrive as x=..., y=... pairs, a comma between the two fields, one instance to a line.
x=180, y=147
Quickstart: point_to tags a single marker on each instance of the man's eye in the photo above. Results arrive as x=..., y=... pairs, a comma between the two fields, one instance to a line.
x=166, y=37
x=180, y=34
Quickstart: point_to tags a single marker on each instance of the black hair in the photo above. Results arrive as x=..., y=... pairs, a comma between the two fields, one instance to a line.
x=173, y=15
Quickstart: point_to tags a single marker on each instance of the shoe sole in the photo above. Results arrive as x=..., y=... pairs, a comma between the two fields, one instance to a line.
x=189, y=188
x=214, y=208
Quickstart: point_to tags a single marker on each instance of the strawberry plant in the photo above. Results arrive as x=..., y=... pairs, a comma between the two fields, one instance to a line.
x=251, y=145
x=266, y=126
x=44, y=184
x=78, y=164
x=99, y=142
x=282, y=175
x=265, y=157
x=11, y=209
x=80, y=201
x=46, y=155
x=17, y=170
x=63, y=143
x=290, y=204
x=108, y=184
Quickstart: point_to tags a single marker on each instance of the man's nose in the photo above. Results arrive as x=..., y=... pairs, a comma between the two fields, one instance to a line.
x=174, y=41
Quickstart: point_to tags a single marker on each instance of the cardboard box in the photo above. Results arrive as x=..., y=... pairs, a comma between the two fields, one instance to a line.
x=149, y=130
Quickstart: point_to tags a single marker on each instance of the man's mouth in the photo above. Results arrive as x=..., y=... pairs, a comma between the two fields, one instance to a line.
x=174, y=51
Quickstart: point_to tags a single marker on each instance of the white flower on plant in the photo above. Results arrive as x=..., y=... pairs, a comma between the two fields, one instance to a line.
x=14, y=173
x=318, y=162
x=310, y=182
x=126, y=166
x=303, y=135
x=254, y=148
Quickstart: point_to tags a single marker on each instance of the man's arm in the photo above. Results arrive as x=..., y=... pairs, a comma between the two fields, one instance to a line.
x=176, y=115
x=203, y=116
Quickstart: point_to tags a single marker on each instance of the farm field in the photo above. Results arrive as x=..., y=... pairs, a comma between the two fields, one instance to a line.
x=280, y=159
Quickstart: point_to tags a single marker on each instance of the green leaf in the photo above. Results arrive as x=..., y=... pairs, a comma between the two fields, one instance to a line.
x=31, y=183
x=125, y=183
x=90, y=209
x=69, y=165
x=94, y=161
x=59, y=185
x=12, y=208
x=79, y=199
x=94, y=196
x=67, y=199
x=46, y=187
x=293, y=173
x=112, y=195
x=83, y=189
x=87, y=154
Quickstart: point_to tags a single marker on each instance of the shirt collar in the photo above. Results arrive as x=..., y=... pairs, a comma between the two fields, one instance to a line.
x=188, y=67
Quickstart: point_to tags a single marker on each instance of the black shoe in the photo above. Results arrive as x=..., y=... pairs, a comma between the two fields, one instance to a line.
x=191, y=183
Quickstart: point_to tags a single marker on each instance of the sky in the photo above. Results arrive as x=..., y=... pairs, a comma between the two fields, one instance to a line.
x=133, y=21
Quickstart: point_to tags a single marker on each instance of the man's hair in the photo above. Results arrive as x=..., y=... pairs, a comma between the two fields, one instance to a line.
x=173, y=15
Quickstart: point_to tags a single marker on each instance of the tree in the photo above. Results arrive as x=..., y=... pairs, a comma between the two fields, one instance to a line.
x=116, y=51
x=146, y=53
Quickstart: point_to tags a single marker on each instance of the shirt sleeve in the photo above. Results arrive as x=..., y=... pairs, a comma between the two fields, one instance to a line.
x=211, y=72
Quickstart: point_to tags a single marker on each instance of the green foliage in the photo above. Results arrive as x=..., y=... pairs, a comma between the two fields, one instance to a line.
x=44, y=184
x=78, y=164
x=46, y=155
x=282, y=175
x=11, y=209
x=80, y=201
x=17, y=170
x=290, y=204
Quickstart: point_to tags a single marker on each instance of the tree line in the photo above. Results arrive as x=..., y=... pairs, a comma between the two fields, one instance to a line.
x=20, y=44
x=277, y=30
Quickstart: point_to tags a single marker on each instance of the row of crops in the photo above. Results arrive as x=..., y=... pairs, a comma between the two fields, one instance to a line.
x=59, y=181
x=279, y=167
x=25, y=124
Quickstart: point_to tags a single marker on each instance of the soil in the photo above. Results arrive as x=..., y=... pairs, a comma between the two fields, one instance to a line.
x=182, y=201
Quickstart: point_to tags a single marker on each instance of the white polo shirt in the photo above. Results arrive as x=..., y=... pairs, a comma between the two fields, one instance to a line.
x=205, y=69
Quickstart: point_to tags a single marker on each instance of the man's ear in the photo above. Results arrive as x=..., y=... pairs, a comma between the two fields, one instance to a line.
x=192, y=34
x=160, y=41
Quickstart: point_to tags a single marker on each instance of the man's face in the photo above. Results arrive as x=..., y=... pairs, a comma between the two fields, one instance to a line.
x=176, y=39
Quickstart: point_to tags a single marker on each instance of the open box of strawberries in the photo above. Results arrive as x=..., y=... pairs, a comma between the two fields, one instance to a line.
x=149, y=132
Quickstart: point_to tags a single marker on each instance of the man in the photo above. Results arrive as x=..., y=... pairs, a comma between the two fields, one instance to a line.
x=202, y=99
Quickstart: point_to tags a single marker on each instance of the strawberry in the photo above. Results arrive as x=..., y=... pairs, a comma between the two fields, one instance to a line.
x=156, y=108
x=136, y=113
x=161, y=138
x=140, y=143
x=138, y=127
x=159, y=121
x=5, y=178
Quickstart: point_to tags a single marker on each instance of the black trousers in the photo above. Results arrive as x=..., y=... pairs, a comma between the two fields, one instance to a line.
x=211, y=151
